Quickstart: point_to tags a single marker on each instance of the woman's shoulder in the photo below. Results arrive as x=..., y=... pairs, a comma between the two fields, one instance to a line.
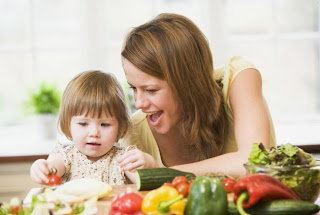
x=237, y=64
x=232, y=68
x=227, y=73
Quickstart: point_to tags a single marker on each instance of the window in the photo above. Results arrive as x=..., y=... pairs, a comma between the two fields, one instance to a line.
x=282, y=38
x=44, y=40
x=54, y=40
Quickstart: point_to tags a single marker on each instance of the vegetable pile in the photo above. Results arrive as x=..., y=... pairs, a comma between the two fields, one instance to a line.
x=257, y=194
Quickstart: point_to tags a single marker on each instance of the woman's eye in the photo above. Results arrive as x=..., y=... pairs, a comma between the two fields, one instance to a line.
x=133, y=88
x=151, y=91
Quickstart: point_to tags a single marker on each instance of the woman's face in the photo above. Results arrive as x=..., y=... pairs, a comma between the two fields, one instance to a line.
x=154, y=97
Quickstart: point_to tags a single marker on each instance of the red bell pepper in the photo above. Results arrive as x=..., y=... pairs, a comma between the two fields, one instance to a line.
x=126, y=203
x=251, y=189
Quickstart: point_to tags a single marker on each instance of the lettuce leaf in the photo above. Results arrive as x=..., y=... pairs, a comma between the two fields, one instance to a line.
x=258, y=156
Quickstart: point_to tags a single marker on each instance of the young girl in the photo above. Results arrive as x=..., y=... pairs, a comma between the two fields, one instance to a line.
x=94, y=115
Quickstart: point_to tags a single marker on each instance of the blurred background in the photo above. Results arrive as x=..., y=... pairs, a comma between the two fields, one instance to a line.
x=53, y=40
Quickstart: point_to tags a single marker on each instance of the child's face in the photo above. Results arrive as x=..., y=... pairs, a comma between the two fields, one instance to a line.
x=94, y=137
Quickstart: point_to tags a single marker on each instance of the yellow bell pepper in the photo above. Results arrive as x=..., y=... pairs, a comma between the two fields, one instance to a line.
x=163, y=200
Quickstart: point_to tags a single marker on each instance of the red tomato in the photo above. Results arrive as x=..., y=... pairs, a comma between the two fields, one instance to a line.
x=168, y=184
x=15, y=209
x=54, y=180
x=183, y=188
x=228, y=184
x=190, y=181
x=179, y=179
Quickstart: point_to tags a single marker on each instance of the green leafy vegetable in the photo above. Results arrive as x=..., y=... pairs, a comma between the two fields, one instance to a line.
x=78, y=208
x=258, y=156
x=283, y=155
x=291, y=165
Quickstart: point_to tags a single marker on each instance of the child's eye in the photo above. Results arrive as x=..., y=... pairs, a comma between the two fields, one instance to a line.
x=105, y=124
x=83, y=123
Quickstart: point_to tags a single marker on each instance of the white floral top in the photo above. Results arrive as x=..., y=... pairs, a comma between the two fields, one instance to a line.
x=105, y=169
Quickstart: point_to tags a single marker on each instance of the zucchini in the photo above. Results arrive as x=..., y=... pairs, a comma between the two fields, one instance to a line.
x=278, y=207
x=149, y=179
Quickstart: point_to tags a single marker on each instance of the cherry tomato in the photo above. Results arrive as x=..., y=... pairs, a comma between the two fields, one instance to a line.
x=228, y=184
x=15, y=209
x=54, y=179
x=190, y=182
x=168, y=184
x=183, y=188
x=179, y=179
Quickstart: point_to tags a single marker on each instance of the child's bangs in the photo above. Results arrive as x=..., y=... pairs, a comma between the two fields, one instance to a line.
x=94, y=108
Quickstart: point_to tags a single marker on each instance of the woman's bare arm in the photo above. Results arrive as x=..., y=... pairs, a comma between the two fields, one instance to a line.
x=251, y=124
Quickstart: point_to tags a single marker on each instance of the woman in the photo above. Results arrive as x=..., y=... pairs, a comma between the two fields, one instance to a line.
x=192, y=117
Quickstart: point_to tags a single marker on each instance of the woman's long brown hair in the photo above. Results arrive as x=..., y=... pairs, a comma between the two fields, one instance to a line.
x=171, y=47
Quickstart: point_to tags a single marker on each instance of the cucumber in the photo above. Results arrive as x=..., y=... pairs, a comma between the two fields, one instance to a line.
x=278, y=207
x=149, y=179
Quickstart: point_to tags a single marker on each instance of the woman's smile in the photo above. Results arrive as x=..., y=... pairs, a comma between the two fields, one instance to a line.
x=154, y=119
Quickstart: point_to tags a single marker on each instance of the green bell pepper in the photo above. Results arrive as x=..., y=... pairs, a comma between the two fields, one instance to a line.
x=207, y=196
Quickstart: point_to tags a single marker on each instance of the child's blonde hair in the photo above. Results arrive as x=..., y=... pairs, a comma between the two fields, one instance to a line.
x=92, y=93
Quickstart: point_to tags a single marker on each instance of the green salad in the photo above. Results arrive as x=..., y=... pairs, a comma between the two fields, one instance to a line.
x=291, y=165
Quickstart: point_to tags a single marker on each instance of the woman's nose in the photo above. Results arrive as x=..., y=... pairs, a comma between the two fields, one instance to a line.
x=140, y=101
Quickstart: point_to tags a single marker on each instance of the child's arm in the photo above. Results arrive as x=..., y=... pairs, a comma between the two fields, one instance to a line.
x=41, y=168
x=136, y=159
x=131, y=176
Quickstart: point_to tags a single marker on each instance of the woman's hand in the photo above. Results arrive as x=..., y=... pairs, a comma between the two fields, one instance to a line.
x=136, y=159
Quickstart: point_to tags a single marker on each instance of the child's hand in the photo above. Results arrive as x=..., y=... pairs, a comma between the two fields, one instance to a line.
x=136, y=159
x=39, y=171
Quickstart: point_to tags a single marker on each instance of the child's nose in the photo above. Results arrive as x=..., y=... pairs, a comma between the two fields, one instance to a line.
x=94, y=131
